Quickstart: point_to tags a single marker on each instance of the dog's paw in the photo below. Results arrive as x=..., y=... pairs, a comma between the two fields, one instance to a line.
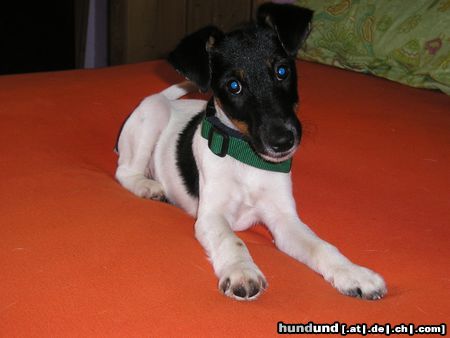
x=147, y=188
x=357, y=281
x=242, y=281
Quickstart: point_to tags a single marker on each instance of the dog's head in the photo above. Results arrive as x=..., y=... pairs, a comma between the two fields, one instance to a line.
x=252, y=74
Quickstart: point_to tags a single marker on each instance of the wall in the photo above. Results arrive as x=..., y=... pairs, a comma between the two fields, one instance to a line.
x=148, y=29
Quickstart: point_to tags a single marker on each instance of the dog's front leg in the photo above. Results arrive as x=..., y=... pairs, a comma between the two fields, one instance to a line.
x=239, y=277
x=296, y=239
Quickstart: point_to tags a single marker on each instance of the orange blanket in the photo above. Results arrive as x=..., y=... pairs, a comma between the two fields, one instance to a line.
x=81, y=256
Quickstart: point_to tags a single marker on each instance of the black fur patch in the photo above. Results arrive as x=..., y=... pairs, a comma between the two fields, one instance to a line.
x=186, y=164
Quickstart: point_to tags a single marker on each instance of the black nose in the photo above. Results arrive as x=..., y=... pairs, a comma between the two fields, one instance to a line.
x=281, y=141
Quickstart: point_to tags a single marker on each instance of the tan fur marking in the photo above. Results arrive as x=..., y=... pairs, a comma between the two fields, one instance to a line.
x=218, y=102
x=241, y=126
x=210, y=43
x=241, y=74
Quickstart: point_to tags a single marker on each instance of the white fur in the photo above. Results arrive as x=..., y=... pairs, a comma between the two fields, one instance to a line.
x=233, y=196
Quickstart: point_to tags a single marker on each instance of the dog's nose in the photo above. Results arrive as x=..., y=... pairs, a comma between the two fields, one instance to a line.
x=282, y=141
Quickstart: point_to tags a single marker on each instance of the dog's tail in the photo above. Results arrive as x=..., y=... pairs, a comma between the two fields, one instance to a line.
x=176, y=91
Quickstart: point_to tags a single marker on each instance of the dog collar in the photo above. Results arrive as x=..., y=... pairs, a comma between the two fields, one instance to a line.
x=223, y=140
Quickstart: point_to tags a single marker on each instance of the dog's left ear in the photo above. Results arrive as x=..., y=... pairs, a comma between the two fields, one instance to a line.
x=292, y=23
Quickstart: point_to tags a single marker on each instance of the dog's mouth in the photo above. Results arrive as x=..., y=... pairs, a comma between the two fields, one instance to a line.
x=279, y=144
x=277, y=157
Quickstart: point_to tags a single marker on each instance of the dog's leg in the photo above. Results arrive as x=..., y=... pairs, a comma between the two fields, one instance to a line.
x=136, y=144
x=296, y=239
x=239, y=277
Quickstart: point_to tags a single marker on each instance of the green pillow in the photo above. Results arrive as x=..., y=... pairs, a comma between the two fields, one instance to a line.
x=404, y=41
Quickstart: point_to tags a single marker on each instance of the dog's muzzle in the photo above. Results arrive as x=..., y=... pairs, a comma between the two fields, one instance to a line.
x=280, y=141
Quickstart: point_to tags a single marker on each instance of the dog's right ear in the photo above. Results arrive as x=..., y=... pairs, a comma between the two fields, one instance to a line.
x=191, y=56
x=291, y=23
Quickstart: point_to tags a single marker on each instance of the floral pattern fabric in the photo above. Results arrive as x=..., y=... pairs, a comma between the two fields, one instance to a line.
x=404, y=41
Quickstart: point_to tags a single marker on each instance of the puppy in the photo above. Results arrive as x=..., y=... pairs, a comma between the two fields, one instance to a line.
x=227, y=161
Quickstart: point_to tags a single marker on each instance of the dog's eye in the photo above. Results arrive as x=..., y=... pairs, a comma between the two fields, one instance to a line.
x=234, y=87
x=281, y=72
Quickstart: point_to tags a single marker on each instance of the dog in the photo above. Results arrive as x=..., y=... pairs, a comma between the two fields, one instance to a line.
x=227, y=161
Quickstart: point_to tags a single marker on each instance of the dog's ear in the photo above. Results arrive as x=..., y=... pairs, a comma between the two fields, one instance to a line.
x=191, y=56
x=292, y=23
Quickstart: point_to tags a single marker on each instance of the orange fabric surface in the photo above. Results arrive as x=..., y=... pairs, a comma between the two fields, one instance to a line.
x=81, y=256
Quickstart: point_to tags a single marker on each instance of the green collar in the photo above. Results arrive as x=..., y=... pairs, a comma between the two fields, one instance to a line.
x=223, y=141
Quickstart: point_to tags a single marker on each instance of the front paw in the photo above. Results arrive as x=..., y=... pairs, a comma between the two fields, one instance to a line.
x=357, y=281
x=148, y=188
x=242, y=281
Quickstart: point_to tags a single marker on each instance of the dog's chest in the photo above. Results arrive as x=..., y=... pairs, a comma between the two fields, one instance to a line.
x=237, y=190
x=244, y=209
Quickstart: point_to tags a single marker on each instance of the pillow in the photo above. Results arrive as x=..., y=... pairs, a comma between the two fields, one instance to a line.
x=404, y=41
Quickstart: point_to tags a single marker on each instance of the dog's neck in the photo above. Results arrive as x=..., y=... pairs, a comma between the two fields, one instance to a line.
x=222, y=116
x=225, y=139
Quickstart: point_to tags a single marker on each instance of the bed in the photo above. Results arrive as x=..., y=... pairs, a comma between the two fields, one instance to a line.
x=82, y=256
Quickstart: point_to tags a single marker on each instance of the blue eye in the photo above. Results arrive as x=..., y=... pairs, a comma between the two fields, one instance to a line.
x=281, y=72
x=234, y=87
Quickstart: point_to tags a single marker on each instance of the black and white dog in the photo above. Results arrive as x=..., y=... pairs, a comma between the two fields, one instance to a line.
x=227, y=161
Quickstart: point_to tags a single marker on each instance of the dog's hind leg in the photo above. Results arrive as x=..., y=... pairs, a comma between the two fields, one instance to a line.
x=136, y=143
x=138, y=139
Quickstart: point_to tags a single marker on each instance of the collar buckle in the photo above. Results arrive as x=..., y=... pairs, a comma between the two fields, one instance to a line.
x=218, y=141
